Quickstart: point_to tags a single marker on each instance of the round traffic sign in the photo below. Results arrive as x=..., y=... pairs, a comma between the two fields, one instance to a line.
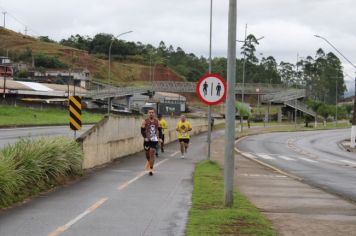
x=211, y=89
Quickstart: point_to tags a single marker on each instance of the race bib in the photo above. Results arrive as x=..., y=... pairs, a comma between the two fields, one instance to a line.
x=184, y=134
x=154, y=139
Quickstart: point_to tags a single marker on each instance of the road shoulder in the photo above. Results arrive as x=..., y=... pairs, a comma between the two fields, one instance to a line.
x=294, y=208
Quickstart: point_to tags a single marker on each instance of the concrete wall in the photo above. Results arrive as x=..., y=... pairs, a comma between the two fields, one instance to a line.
x=118, y=136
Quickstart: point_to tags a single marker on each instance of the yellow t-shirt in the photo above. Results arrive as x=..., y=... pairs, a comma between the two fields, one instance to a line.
x=164, y=125
x=183, y=129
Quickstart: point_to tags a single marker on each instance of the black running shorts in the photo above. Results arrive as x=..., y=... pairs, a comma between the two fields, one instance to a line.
x=185, y=140
x=149, y=144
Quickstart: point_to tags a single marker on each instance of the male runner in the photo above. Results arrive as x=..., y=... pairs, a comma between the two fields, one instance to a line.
x=151, y=132
x=183, y=128
x=164, y=127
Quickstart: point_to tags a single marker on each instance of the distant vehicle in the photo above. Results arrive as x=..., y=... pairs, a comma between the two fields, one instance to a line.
x=166, y=109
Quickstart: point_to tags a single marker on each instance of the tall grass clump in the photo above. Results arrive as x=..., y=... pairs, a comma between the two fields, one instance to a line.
x=33, y=165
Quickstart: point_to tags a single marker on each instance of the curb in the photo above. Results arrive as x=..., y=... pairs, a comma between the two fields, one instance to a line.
x=265, y=164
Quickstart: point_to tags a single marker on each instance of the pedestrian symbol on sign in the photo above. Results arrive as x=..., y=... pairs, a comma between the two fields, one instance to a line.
x=205, y=88
x=218, y=89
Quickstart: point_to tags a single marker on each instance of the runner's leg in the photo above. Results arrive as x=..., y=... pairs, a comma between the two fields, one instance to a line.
x=152, y=152
x=181, y=143
x=162, y=144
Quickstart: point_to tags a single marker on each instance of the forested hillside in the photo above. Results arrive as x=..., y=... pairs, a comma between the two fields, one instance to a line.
x=136, y=62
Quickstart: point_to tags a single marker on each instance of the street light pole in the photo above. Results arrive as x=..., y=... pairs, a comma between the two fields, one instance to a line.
x=353, y=128
x=229, y=163
x=109, y=73
x=4, y=13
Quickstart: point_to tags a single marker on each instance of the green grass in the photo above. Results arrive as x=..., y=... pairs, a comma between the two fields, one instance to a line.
x=34, y=165
x=208, y=216
x=10, y=115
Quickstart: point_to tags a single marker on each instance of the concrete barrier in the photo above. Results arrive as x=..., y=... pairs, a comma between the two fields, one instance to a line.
x=117, y=136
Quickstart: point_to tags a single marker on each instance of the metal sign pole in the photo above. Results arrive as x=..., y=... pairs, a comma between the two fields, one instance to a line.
x=209, y=108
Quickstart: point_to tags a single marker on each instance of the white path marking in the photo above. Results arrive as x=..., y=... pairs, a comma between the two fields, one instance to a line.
x=266, y=157
x=308, y=160
x=175, y=153
x=349, y=162
x=286, y=158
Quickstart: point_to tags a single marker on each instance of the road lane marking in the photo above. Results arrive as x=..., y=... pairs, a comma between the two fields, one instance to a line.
x=266, y=157
x=124, y=185
x=259, y=175
x=250, y=155
x=286, y=158
x=92, y=208
x=308, y=160
x=175, y=153
x=349, y=162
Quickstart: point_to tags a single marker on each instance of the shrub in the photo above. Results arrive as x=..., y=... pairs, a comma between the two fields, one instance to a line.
x=46, y=61
x=33, y=165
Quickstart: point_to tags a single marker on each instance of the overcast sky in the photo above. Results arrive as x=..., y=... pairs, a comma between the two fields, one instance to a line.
x=287, y=25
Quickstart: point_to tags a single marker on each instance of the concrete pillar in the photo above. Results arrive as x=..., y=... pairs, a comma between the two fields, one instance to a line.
x=128, y=102
x=279, y=114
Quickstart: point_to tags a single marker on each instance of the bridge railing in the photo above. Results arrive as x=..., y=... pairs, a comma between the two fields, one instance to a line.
x=184, y=87
x=300, y=106
x=283, y=96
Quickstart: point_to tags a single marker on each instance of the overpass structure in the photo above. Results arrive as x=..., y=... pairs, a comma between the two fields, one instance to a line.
x=278, y=94
x=289, y=98
x=180, y=87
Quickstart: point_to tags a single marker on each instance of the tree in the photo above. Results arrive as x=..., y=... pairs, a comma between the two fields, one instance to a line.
x=287, y=73
x=270, y=67
x=249, y=49
x=325, y=111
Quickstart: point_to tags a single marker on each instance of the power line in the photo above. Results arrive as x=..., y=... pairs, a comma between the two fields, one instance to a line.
x=27, y=29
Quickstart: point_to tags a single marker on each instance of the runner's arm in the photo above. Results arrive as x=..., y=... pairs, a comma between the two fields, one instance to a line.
x=190, y=127
x=160, y=134
x=143, y=129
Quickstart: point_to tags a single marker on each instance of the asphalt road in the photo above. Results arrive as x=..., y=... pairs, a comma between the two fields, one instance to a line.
x=9, y=136
x=314, y=156
x=120, y=199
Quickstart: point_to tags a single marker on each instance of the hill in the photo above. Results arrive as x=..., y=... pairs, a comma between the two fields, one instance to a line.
x=123, y=72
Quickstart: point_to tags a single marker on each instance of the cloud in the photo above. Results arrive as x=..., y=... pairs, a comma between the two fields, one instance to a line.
x=288, y=26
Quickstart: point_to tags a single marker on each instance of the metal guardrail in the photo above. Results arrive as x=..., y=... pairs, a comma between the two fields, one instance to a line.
x=116, y=92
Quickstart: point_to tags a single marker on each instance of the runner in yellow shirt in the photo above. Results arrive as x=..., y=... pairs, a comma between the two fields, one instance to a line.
x=183, y=128
x=164, y=127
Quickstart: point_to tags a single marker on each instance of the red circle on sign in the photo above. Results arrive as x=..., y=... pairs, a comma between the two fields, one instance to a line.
x=222, y=80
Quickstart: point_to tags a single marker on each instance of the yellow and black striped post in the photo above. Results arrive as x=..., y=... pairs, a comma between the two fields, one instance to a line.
x=75, y=111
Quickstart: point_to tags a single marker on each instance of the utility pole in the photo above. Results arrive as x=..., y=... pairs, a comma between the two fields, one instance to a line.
x=4, y=13
x=229, y=160
x=209, y=107
x=26, y=30
x=243, y=84
x=354, y=114
x=336, y=99
x=3, y=95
